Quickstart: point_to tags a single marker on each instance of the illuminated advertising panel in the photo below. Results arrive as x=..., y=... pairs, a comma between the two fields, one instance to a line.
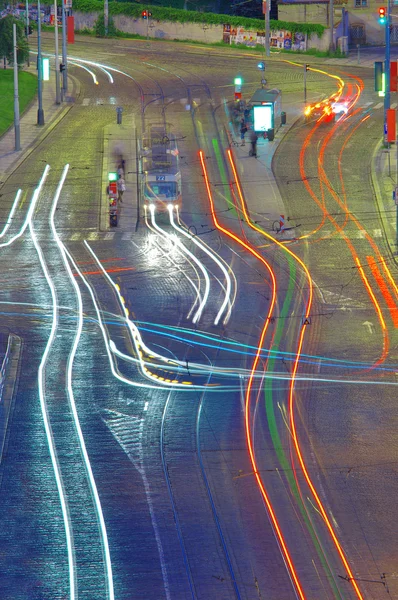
x=262, y=117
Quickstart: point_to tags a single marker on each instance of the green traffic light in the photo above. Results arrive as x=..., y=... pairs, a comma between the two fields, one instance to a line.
x=238, y=81
x=112, y=177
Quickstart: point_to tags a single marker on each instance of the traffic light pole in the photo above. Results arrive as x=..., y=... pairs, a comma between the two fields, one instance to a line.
x=27, y=25
x=40, y=112
x=387, y=63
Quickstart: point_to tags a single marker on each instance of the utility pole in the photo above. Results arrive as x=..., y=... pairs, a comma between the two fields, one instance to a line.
x=106, y=16
x=27, y=25
x=40, y=112
x=57, y=86
x=331, y=25
x=306, y=67
x=64, y=57
x=16, y=96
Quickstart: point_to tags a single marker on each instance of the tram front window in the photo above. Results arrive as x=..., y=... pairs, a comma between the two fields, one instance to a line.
x=167, y=189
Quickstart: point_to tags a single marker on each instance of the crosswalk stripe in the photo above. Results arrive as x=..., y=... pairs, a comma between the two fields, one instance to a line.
x=86, y=101
x=360, y=234
x=394, y=105
x=75, y=236
x=367, y=104
x=379, y=105
x=109, y=236
x=93, y=235
x=126, y=236
x=377, y=233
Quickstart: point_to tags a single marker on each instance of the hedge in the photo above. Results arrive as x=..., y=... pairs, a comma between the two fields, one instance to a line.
x=162, y=13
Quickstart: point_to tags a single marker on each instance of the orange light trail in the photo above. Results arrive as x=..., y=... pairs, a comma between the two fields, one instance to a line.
x=384, y=289
x=292, y=384
x=264, y=494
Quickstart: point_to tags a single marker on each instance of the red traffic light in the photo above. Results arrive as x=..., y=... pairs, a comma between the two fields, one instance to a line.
x=144, y=14
x=382, y=15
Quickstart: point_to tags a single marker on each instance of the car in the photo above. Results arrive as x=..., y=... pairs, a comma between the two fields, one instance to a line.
x=320, y=110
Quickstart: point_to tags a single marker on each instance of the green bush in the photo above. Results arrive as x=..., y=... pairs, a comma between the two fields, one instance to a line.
x=99, y=26
x=162, y=13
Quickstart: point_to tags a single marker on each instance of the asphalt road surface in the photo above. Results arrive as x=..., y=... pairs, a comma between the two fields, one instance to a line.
x=242, y=455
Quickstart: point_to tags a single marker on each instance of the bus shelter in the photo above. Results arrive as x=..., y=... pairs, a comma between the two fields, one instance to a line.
x=266, y=106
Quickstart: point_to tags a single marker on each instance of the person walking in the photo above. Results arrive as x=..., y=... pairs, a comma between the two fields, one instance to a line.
x=243, y=129
x=253, y=141
x=121, y=188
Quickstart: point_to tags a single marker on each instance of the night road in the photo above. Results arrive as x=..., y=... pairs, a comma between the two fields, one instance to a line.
x=204, y=403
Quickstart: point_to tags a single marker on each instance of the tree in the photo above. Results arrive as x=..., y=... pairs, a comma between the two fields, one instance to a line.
x=99, y=26
x=7, y=42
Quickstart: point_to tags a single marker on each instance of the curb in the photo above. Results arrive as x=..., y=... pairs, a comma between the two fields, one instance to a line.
x=379, y=201
x=11, y=374
x=42, y=135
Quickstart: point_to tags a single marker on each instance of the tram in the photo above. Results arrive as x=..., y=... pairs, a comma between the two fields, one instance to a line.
x=161, y=177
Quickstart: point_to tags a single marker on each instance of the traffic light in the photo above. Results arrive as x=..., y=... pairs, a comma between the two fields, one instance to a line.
x=28, y=30
x=382, y=15
x=238, y=81
x=307, y=67
x=149, y=14
x=144, y=14
x=378, y=76
x=61, y=67
x=261, y=66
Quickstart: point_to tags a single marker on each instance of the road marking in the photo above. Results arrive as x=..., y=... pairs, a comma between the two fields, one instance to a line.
x=92, y=236
x=126, y=236
x=75, y=236
x=377, y=233
x=367, y=104
x=86, y=101
x=369, y=325
x=109, y=236
x=394, y=105
x=361, y=234
x=379, y=105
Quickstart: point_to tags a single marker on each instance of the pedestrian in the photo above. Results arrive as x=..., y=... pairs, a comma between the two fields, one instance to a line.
x=253, y=141
x=121, y=188
x=120, y=172
x=243, y=129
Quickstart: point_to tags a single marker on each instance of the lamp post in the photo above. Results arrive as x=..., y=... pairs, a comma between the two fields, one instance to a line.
x=266, y=10
x=40, y=112
x=331, y=24
x=387, y=62
x=106, y=16
x=16, y=96
x=57, y=87
x=27, y=25
x=64, y=58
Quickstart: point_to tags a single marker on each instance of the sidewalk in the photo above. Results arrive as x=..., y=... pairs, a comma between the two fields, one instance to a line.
x=31, y=133
x=120, y=140
x=384, y=179
x=263, y=197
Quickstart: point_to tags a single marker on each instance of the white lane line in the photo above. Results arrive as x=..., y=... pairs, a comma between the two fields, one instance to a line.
x=378, y=105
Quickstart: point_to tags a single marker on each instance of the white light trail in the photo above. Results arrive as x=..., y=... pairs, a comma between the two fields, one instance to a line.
x=47, y=427
x=215, y=259
x=11, y=214
x=199, y=311
x=71, y=396
x=93, y=75
x=198, y=298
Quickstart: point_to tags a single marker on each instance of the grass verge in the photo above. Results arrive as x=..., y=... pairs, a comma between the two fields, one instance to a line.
x=27, y=84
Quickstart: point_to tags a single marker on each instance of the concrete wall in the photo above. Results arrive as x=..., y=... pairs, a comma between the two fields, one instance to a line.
x=176, y=31
x=304, y=13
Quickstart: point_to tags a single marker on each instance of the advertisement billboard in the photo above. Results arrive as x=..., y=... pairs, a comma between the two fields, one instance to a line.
x=262, y=117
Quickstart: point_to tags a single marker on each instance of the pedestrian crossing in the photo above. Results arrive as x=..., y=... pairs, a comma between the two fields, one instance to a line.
x=128, y=236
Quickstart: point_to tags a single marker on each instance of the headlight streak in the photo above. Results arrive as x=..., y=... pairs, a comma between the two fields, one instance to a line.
x=224, y=262
x=199, y=311
x=72, y=403
x=11, y=213
x=135, y=336
x=107, y=73
x=43, y=406
x=292, y=421
x=216, y=260
x=277, y=531
x=72, y=62
x=198, y=298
